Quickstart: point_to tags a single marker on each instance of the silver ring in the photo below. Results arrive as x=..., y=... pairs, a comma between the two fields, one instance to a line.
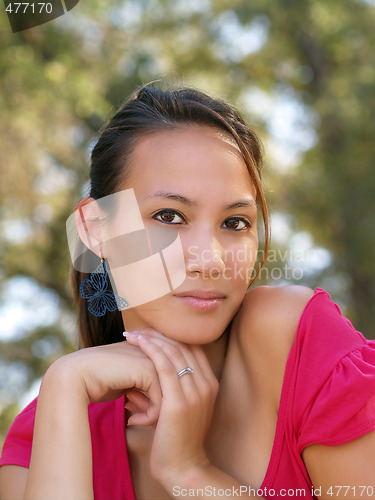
x=185, y=371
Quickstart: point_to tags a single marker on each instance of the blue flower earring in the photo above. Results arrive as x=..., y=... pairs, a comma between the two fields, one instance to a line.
x=95, y=291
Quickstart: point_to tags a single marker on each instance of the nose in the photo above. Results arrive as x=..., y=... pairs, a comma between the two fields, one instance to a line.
x=204, y=254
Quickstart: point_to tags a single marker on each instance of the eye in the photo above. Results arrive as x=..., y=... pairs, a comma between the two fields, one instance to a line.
x=168, y=216
x=237, y=223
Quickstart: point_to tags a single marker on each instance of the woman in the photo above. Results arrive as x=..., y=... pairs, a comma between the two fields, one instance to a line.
x=268, y=394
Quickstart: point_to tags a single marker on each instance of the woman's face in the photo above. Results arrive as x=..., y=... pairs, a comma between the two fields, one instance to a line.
x=194, y=179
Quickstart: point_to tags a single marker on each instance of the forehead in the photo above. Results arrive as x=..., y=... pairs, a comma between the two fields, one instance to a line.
x=193, y=157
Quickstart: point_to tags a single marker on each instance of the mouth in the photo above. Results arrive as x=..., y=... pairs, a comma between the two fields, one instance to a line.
x=201, y=300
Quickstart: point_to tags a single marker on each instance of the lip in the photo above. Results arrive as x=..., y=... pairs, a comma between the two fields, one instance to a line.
x=201, y=300
x=200, y=293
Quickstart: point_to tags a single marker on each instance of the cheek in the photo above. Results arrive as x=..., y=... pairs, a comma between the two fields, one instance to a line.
x=240, y=261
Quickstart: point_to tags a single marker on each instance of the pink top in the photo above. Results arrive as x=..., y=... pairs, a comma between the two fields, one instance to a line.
x=328, y=397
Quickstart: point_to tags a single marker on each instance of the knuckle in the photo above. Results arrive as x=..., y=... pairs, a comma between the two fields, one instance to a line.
x=215, y=385
x=185, y=350
x=172, y=350
x=206, y=389
x=209, y=388
x=166, y=367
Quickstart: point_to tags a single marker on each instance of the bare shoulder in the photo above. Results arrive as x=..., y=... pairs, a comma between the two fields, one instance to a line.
x=274, y=310
x=266, y=327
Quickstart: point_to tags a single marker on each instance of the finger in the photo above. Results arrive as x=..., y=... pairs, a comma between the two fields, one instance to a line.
x=159, y=339
x=148, y=417
x=168, y=361
x=151, y=413
x=133, y=408
x=145, y=419
x=132, y=337
x=178, y=353
x=192, y=356
x=201, y=385
x=137, y=402
x=204, y=365
x=198, y=351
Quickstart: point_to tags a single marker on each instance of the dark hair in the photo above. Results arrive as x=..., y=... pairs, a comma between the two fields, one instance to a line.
x=148, y=110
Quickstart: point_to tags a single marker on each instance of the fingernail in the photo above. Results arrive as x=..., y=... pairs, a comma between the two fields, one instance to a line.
x=125, y=333
x=131, y=335
x=142, y=339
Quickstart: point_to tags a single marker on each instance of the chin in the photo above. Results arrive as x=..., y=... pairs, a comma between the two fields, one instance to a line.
x=187, y=321
x=196, y=334
x=189, y=330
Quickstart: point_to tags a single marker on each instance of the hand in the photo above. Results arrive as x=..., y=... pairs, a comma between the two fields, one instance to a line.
x=186, y=407
x=107, y=372
x=137, y=402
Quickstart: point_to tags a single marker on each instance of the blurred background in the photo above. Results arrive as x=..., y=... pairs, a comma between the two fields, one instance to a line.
x=301, y=71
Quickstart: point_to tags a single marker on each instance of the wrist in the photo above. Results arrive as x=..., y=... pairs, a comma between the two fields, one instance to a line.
x=64, y=380
x=189, y=475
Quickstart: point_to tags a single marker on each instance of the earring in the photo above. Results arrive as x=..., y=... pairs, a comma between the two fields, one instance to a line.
x=95, y=291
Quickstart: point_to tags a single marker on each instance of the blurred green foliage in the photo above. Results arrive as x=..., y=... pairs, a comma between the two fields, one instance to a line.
x=60, y=81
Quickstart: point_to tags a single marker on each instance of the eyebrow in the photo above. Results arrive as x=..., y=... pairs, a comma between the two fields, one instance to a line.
x=172, y=196
x=242, y=203
x=248, y=202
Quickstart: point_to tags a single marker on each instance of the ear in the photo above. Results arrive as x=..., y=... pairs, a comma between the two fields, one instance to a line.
x=88, y=217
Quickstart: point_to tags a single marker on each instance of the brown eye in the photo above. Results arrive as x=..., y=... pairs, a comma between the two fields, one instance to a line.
x=169, y=217
x=232, y=223
x=237, y=224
